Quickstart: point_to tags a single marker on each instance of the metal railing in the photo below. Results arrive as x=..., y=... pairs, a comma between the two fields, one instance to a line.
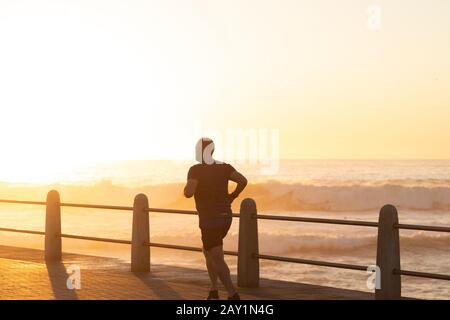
x=388, y=245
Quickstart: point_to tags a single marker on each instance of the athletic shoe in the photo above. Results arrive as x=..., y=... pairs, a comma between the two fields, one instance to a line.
x=213, y=295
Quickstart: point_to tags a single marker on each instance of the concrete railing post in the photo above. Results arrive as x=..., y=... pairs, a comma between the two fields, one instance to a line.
x=140, y=251
x=248, y=263
x=53, y=227
x=388, y=254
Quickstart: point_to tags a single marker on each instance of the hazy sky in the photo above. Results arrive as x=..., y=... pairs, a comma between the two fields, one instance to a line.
x=128, y=79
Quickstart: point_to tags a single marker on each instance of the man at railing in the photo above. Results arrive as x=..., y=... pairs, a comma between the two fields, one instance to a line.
x=208, y=183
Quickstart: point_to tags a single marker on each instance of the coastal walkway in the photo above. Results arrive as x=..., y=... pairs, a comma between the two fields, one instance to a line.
x=24, y=274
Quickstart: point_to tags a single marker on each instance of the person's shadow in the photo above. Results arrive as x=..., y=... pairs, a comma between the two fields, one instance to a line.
x=158, y=286
x=58, y=275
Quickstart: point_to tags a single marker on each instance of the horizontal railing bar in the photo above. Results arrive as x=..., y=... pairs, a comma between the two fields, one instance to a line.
x=76, y=205
x=422, y=274
x=187, y=212
x=313, y=262
x=22, y=231
x=421, y=227
x=230, y=253
x=186, y=248
x=319, y=220
x=41, y=203
x=96, y=206
x=73, y=236
x=173, y=246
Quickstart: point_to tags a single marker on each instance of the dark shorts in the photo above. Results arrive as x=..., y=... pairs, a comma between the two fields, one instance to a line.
x=213, y=235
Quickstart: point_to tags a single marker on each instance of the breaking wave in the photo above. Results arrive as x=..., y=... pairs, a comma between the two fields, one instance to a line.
x=274, y=196
x=288, y=243
x=297, y=197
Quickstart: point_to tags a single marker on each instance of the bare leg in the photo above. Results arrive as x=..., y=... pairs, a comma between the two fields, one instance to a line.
x=221, y=268
x=211, y=272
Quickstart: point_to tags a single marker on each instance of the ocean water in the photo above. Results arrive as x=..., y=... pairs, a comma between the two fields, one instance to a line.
x=313, y=188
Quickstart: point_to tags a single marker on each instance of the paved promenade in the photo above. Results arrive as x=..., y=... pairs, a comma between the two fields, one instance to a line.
x=24, y=274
